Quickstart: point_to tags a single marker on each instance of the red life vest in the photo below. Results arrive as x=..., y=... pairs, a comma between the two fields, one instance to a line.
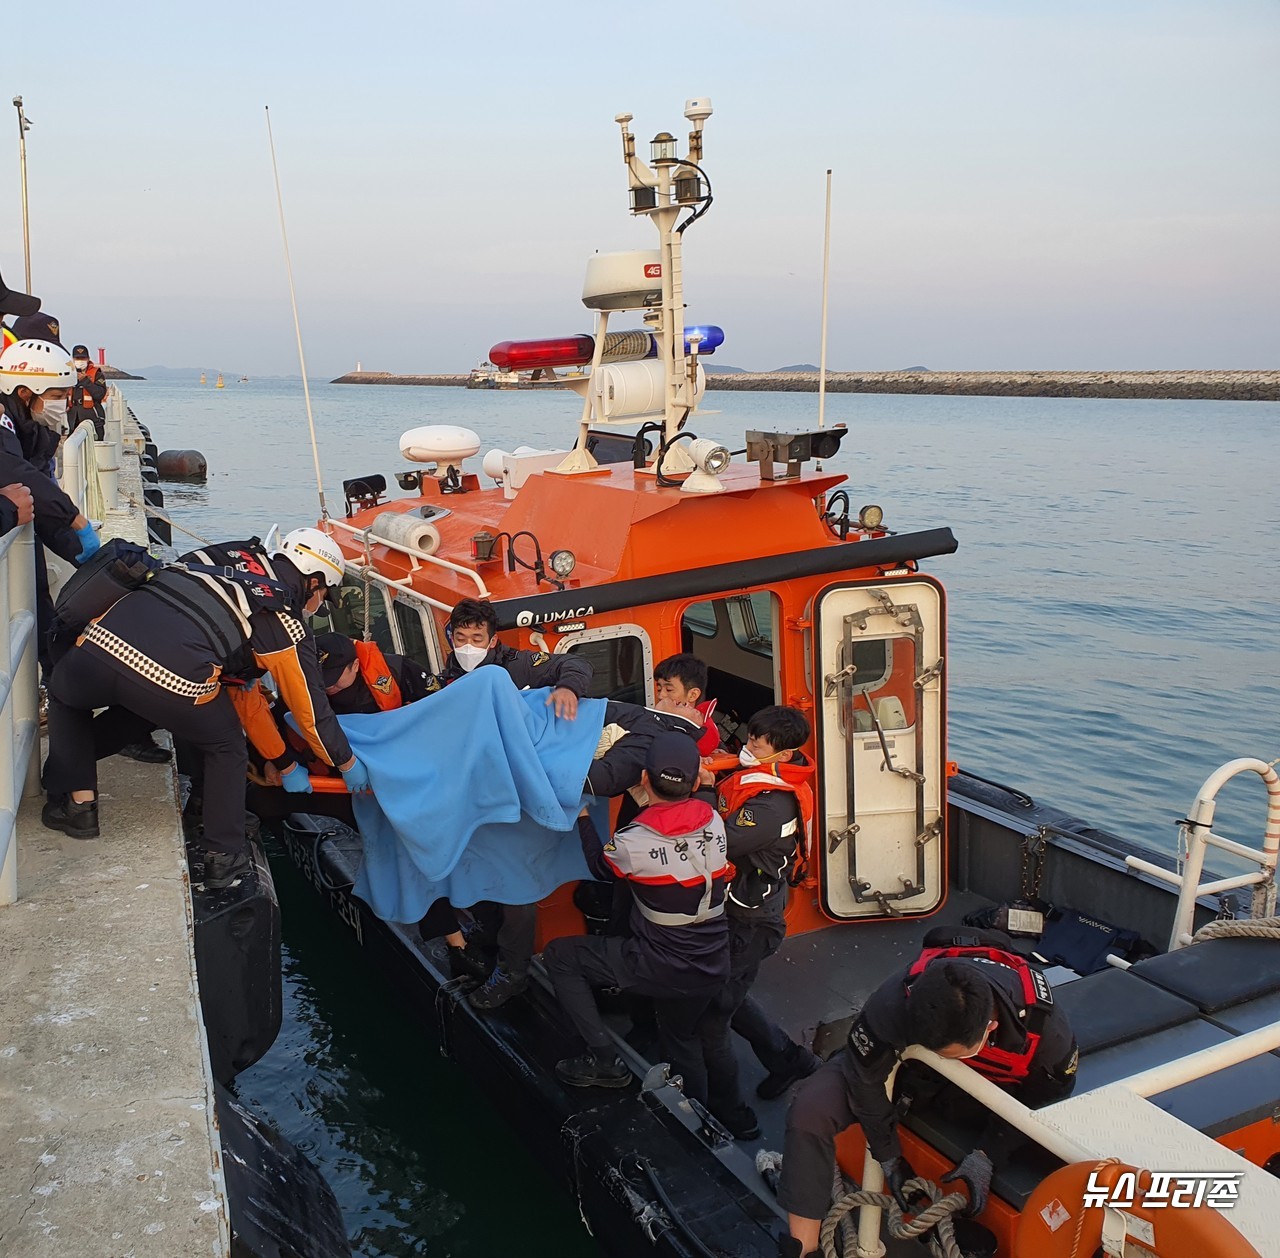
x=1001, y=1065
x=378, y=676
x=739, y=787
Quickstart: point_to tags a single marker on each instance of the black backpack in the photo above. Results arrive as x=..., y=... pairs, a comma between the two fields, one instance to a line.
x=117, y=568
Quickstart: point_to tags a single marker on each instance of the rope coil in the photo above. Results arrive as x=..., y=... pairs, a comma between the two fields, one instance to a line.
x=937, y=1217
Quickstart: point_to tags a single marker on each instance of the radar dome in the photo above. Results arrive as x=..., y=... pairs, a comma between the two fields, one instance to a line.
x=444, y=444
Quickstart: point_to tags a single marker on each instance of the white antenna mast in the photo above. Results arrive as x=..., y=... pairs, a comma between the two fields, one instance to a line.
x=826, y=275
x=297, y=327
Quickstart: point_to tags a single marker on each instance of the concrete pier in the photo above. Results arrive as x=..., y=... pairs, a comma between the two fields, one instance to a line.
x=108, y=1140
x=1226, y=386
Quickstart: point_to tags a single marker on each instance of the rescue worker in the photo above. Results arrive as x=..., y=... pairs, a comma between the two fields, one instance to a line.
x=359, y=677
x=673, y=854
x=35, y=379
x=161, y=653
x=767, y=806
x=968, y=996
x=87, y=394
x=473, y=635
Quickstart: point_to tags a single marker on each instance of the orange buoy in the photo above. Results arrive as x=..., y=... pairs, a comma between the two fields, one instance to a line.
x=1058, y=1223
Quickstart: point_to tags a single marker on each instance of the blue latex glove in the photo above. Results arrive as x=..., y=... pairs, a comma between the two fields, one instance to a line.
x=89, y=542
x=297, y=781
x=356, y=777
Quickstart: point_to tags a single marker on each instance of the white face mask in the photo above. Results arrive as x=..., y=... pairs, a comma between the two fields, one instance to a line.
x=746, y=759
x=81, y=364
x=470, y=657
x=53, y=411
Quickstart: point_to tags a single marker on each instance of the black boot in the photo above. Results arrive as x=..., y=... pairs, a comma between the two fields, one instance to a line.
x=742, y=1123
x=147, y=752
x=599, y=1069
x=500, y=987
x=80, y=821
x=221, y=869
x=468, y=962
x=774, y=1085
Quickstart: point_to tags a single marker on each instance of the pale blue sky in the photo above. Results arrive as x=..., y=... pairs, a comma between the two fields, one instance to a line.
x=1018, y=183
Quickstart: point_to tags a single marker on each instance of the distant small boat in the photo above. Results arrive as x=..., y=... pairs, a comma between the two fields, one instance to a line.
x=203, y=378
x=219, y=384
x=244, y=379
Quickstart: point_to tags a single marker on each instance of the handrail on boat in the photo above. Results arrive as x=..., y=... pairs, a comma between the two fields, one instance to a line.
x=1196, y=831
x=19, y=694
x=415, y=552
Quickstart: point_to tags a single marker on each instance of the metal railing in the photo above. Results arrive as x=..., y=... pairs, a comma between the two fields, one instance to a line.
x=19, y=694
x=1196, y=837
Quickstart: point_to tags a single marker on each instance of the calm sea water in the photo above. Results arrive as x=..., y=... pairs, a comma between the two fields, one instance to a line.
x=1113, y=638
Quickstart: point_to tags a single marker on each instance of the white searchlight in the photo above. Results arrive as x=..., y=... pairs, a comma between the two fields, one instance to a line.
x=710, y=458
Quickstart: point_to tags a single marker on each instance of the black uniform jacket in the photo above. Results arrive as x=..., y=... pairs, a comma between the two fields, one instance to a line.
x=278, y=642
x=54, y=511
x=620, y=767
x=533, y=670
x=880, y=1033
x=39, y=444
x=414, y=681
x=763, y=835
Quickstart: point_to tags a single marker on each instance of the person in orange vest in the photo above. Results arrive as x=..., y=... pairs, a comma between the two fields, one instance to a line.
x=358, y=677
x=767, y=807
x=87, y=394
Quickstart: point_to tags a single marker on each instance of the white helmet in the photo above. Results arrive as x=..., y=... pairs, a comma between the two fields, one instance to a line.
x=313, y=552
x=40, y=365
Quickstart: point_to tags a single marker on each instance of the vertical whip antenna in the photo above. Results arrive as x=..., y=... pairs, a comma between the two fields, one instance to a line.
x=297, y=327
x=826, y=274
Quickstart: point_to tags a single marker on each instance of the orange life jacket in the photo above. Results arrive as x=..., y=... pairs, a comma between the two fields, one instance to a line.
x=378, y=676
x=85, y=401
x=739, y=787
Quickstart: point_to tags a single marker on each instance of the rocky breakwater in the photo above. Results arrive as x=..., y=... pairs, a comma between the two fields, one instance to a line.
x=388, y=377
x=1236, y=386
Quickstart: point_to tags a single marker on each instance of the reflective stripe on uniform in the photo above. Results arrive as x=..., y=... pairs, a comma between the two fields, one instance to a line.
x=146, y=667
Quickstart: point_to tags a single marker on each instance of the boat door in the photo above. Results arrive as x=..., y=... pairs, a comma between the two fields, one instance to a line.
x=881, y=747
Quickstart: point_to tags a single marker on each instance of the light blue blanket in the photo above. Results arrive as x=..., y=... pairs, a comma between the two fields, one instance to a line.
x=476, y=792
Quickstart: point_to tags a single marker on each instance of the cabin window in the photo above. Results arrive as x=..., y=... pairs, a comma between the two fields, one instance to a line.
x=700, y=618
x=621, y=662
x=348, y=616
x=417, y=633
x=734, y=637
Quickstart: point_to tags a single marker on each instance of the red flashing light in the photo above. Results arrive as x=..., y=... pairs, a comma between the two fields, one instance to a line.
x=557, y=351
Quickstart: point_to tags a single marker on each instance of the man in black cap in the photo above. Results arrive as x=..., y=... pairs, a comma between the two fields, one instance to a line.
x=87, y=394
x=674, y=855
x=359, y=677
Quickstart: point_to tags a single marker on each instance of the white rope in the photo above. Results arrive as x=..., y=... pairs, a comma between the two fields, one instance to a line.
x=1237, y=927
x=297, y=327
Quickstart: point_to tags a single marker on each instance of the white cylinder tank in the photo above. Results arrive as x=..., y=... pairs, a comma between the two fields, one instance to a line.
x=406, y=530
x=623, y=281
x=633, y=390
x=444, y=444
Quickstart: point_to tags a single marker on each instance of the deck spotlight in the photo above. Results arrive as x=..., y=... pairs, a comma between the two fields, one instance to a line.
x=710, y=459
x=870, y=516
x=410, y=481
x=483, y=546
x=563, y=562
x=662, y=149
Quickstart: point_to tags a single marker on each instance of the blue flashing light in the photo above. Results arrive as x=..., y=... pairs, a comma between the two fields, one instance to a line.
x=712, y=338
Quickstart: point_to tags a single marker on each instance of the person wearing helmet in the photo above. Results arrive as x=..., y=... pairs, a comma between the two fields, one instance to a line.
x=35, y=380
x=167, y=655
